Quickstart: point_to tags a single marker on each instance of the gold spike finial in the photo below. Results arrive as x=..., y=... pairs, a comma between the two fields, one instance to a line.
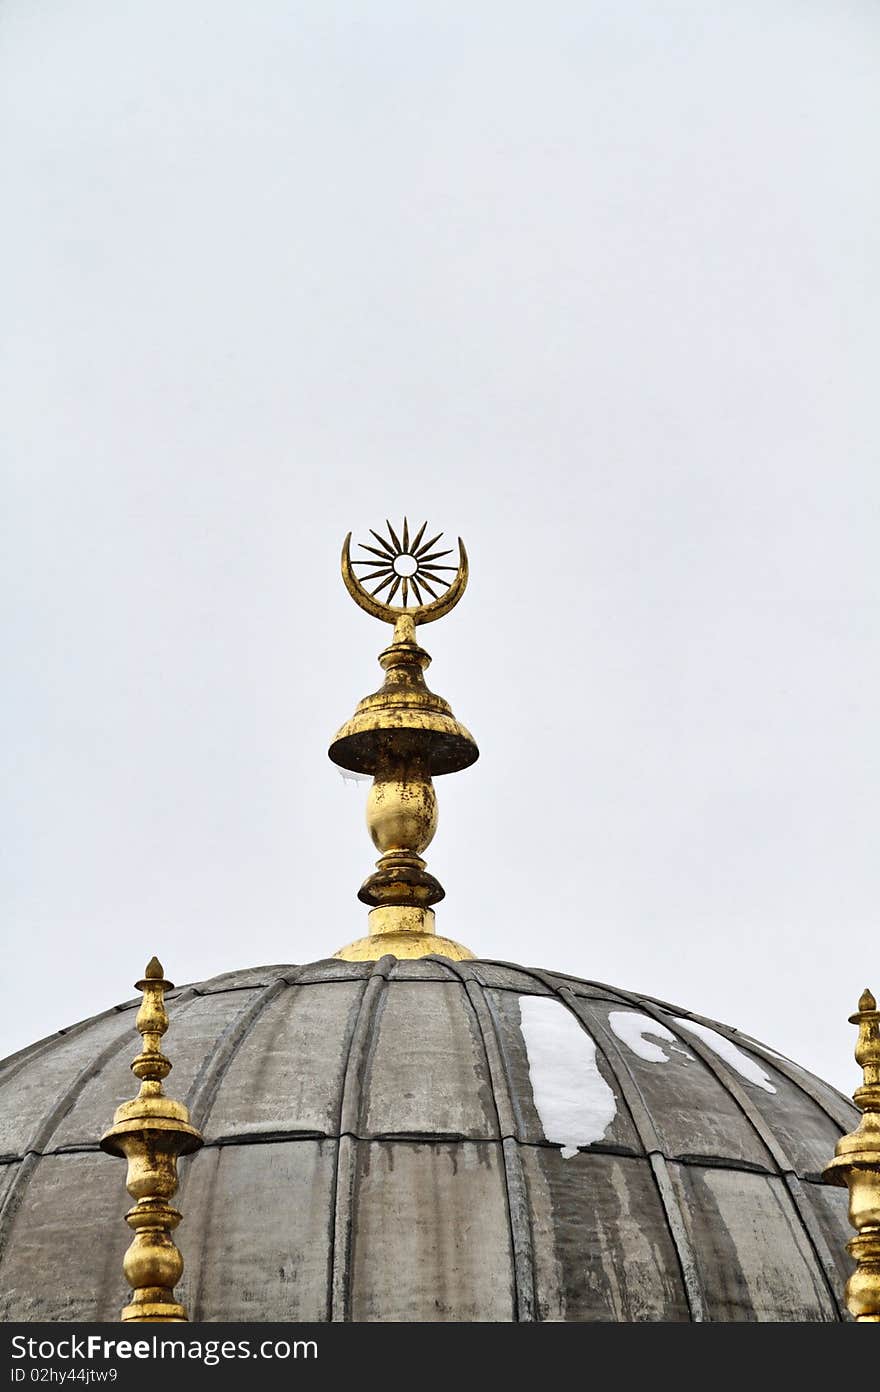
x=856, y=1165
x=403, y=735
x=151, y=1132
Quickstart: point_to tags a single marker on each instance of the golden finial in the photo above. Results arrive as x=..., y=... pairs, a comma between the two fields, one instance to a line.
x=856, y=1164
x=151, y=1132
x=403, y=735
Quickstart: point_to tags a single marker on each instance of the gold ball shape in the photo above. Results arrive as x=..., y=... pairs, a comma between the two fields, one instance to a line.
x=402, y=813
x=152, y=1260
x=863, y=1294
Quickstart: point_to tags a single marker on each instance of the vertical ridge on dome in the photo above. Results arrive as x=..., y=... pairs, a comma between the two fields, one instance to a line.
x=205, y=1086
x=345, y=1169
x=431, y=1209
x=785, y=1166
x=802, y=1080
x=504, y=1099
x=647, y=1132
x=203, y=1090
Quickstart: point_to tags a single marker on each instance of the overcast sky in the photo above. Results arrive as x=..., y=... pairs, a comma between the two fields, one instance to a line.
x=594, y=285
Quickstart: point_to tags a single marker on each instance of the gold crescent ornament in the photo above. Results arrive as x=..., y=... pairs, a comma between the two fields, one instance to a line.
x=410, y=566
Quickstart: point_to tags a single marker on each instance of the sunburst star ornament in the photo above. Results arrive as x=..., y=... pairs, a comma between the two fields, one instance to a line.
x=409, y=570
x=405, y=565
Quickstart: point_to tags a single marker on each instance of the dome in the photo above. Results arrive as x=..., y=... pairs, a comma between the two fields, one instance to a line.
x=434, y=1140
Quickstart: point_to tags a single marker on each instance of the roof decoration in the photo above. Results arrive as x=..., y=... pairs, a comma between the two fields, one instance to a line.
x=856, y=1165
x=403, y=735
x=151, y=1132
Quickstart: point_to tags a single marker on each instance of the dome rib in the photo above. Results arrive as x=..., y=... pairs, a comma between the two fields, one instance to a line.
x=19, y=1060
x=206, y=1084
x=520, y=1227
x=670, y=1202
x=216, y=1063
x=345, y=1168
x=841, y=1118
x=647, y=1134
x=345, y=1076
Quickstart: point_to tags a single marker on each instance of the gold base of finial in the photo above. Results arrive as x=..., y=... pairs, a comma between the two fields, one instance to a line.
x=404, y=932
x=856, y=1165
x=159, y=1313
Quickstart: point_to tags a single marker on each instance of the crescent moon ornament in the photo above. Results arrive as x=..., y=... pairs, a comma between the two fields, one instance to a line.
x=408, y=566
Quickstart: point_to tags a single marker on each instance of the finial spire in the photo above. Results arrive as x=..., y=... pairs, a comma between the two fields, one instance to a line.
x=403, y=735
x=856, y=1165
x=151, y=1132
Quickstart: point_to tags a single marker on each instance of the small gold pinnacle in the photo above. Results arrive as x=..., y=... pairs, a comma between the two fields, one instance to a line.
x=151, y=1132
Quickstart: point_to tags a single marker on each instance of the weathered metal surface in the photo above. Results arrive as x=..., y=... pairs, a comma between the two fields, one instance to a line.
x=509, y=979
x=332, y=970
x=432, y=1237
x=252, y=978
x=301, y=1041
x=573, y=1075
x=831, y=1206
x=805, y=1133
x=63, y=1260
x=418, y=969
x=256, y=1239
x=428, y=1072
x=692, y=1112
x=755, y=1259
x=32, y=1091
x=602, y=1245
x=7, y=1175
x=493, y=1207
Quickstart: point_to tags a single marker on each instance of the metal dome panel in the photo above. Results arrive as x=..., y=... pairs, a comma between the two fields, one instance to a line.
x=429, y=1140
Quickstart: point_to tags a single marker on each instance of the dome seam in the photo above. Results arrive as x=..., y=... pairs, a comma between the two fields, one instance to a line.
x=345, y=1176
x=515, y=1183
x=203, y=1090
x=670, y=1201
x=669, y=1205
x=785, y=1167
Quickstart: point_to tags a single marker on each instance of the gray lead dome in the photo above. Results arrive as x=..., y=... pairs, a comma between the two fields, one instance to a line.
x=431, y=1140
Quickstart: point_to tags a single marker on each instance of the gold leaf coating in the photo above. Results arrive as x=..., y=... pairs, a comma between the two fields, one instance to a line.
x=856, y=1165
x=151, y=1132
x=404, y=735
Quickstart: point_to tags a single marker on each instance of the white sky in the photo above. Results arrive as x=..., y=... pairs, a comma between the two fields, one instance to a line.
x=593, y=284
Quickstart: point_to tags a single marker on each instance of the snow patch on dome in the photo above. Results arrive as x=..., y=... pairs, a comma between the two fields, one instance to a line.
x=746, y=1067
x=631, y=1027
x=575, y=1104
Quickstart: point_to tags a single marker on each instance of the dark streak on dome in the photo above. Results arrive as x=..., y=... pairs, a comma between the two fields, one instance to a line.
x=375, y=1150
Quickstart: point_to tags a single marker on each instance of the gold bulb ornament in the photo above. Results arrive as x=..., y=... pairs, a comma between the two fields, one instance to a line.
x=151, y=1132
x=856, y=1165
x=404, y=735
